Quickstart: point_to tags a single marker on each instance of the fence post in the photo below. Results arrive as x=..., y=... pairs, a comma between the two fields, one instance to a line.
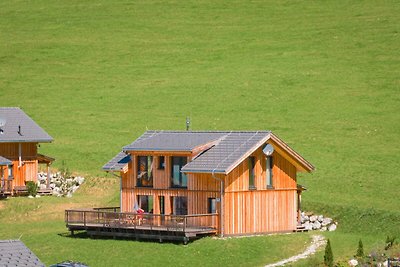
x=84, y=218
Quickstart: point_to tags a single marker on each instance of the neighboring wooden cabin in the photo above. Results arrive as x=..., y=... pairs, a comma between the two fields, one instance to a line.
x=248, y=178
x=19, y=158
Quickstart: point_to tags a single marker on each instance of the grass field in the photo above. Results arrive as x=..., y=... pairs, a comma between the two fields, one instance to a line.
x=324, y=76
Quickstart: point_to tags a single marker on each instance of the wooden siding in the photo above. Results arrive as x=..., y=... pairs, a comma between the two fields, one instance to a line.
x=246, y=211
x=27, y=170
x=260, y=212
x=284, y=174
x=11, y=150
x=263, y=209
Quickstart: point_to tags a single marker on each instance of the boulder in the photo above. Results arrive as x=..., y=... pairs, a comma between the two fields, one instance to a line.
x=308, y=226
x=320, y=218
x=309, y=213
x=313, y=218
x=332, y=227
x=316, y=225
x=353, y=262
x=323, y=228
x=326, y=221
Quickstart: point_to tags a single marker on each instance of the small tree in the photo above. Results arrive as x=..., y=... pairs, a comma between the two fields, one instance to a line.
x=328, y=257
x=360, y=249
x=32, y=188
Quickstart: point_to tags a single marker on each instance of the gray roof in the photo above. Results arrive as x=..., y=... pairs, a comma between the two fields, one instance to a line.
x=173, y=140
x=4, y=161
x=228, y=153
x=29, y=130
x=222, y=150
x=118, y=163
x=14, y=253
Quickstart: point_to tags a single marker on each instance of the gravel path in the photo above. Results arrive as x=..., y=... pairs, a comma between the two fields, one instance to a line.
x=317, y=242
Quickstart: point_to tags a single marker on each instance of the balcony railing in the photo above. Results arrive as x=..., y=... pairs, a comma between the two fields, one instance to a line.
x=103, y=218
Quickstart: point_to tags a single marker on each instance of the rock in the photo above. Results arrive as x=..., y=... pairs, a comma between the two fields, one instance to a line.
x=323, y=228
x=31, y=196
x=316, y=225
x=309, y=213
x=74, y=188
x=326, y=221
x=320, y=218
x=353, y=262
x=308, y=226
x=79, y=180
x=37, y=196
x=42, y=186
x=69, y=194
x=332, y=227
x=313, y=218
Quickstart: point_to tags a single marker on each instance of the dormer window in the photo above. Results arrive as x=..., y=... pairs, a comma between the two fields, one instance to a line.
x=145, y=171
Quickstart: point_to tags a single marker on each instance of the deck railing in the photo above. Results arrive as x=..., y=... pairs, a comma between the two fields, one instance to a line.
x=110, y=217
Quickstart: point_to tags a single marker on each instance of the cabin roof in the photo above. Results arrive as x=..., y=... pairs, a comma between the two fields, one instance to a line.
x=225, y=150
x=4, y=161
x=19, y=127
x=118, y=163
x=228, y=153
x=172, y=140
x=15, y=253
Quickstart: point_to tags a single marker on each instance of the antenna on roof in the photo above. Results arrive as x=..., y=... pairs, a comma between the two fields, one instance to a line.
x=19, y=130
x=187, y=123
x=2, y=124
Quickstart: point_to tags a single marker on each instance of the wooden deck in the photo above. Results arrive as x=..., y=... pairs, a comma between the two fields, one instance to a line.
x=109, y=222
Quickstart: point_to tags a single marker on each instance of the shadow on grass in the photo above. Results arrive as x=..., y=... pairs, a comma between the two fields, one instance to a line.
x=84, y=235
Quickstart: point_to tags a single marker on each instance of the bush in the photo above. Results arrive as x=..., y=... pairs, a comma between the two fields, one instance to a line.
x=328, y=257
x=360, y=250
x=389, y=242
x=32, y=188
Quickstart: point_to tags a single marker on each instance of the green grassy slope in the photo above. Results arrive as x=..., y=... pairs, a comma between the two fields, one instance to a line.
x=322, y=75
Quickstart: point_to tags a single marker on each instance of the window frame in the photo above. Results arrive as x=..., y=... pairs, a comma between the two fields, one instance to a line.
x=251, y=162
x=269, y=174
x=182, y=179
x=161, y=163
x=139, y=182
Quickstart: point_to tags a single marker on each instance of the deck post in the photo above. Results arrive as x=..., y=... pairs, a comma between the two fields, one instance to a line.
x=84, y=218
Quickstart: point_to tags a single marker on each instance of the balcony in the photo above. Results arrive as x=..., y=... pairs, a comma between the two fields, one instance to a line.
x=110, y=222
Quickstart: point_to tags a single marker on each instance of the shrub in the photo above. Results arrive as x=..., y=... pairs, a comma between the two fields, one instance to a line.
x=389, y=242
x=32, y=188
x=360, y=249
x=328, y=257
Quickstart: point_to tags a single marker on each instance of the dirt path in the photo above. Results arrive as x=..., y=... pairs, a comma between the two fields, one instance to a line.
x=316, y=243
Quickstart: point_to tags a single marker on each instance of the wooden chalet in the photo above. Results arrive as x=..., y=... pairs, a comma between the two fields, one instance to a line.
x=19, y=158
x=194, y=183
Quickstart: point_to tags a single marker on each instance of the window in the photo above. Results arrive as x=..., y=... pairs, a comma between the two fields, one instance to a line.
x=162, y=204
x=161, y=163
x=179, y=205
x=145, y=171
x=212, y=205
x=268, y=170
x=252, y=163
x=146, y=203
x=10, y=171
x=178, y=179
